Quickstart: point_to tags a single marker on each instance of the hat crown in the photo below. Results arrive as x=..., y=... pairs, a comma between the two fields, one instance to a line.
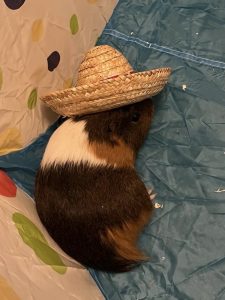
x=102, y=63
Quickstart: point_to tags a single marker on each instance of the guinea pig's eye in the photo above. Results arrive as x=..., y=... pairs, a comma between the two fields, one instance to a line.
x=109, y=129
x=135, y=117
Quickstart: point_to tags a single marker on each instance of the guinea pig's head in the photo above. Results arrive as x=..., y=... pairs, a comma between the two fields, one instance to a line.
x=129, y=123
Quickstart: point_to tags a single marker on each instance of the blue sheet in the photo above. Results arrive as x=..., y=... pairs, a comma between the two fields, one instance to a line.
x=183, y=157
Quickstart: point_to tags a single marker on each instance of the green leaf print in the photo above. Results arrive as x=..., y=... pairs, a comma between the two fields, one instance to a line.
x=74, y=26
x=34, y=238
x=32, y=100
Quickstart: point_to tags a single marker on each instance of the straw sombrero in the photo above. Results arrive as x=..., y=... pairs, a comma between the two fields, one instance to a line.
x=105, y=81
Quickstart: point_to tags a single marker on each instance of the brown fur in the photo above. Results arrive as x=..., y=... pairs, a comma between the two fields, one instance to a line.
x=119, y=154
x=124, y=239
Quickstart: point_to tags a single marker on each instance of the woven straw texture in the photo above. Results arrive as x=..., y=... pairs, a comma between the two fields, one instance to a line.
x=105, y=81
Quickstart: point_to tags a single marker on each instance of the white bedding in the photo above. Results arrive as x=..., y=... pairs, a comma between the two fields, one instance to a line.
x=42, y=45
x=32, y=266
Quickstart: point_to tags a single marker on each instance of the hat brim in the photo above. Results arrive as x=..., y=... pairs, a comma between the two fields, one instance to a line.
x=108, y=94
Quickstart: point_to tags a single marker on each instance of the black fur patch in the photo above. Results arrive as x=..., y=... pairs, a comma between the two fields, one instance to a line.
x=77, y=203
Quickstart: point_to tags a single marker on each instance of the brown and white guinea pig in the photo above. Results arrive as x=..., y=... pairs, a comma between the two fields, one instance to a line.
x=87, y=192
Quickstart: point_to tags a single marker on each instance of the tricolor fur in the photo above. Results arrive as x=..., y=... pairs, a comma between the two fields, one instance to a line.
x=88, y=194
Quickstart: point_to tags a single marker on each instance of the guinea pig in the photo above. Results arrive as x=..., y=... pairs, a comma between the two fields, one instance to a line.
x=87, y=192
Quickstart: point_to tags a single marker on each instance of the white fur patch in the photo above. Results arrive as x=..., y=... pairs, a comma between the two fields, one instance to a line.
x=69, y=143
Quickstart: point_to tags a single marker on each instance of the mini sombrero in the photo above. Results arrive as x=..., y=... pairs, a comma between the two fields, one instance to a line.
x=105, y=81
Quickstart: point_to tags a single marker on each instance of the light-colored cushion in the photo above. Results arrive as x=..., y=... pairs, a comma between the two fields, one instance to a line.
x=42, y=45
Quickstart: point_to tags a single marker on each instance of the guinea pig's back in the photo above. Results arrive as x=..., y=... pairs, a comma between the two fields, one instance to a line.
x=69, y=143
x=88, y=205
